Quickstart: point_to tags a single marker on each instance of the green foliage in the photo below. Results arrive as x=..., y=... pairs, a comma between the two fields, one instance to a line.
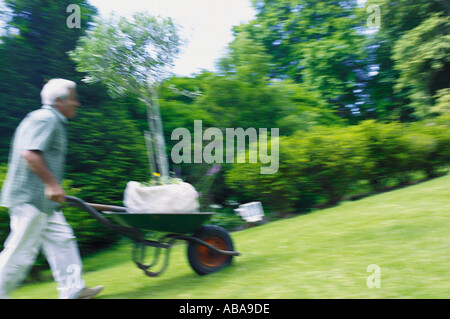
x=33, y=50
x=442, y=105
x=127, y=55
x=325, y=164
x=397, y=19
x=251, y=185
x=286, y=28
x=398, y=150
x=177, y=100
x=4, y=217
x=315, y=166
x=301, y=108
x=233, y=103
x=333, y=160
x=423, y=69
x=106, y=150
x=311, y=42
x=438, y=130
x=226, y=218
x=387, y=151
x=246, y=60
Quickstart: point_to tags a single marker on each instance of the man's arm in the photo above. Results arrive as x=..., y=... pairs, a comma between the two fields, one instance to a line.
x=37, y=164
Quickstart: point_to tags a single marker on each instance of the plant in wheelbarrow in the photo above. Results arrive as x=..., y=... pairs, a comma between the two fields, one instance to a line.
x=132, y=56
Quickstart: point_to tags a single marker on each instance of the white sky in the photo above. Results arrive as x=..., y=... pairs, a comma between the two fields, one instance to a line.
x=207, y=25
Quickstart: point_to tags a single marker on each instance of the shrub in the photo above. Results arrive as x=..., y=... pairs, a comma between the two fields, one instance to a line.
x=332, y=159
x=387, y=150
x=437, y=158
x=325, y=164
x=254, y=186
x=318, y=165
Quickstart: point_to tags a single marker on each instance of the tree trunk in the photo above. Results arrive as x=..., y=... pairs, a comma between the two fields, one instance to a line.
x=156, y=143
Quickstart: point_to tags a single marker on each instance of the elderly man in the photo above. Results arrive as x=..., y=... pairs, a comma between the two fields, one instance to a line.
x=32, y=191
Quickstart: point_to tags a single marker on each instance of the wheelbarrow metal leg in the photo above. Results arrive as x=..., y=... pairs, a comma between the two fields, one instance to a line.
x=139, y=258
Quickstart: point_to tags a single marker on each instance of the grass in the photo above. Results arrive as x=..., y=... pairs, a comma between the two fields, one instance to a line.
x=324, y=254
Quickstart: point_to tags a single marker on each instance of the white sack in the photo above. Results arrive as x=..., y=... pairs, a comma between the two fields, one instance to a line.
x=168, y=199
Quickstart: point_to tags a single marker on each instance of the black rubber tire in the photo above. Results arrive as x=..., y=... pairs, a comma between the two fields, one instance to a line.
x=204, y=260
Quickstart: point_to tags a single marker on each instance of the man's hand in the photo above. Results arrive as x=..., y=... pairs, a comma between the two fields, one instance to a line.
x=36, y=162
x=55, y=193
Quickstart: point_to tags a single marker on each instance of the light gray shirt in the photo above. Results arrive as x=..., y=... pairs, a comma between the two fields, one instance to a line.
x=43, y=130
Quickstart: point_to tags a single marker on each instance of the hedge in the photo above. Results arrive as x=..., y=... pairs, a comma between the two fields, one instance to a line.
x=326, y=164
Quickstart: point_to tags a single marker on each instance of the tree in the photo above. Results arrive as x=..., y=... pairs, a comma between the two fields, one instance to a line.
x=442, y=105
x=33, y=50
x=245, y=94
x=315, y=43
x=132, y=57
x=422, y=57
x=397, y=17
x=246, y=60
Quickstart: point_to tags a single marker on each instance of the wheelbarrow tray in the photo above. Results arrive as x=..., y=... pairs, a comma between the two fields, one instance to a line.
x=174, y=223
x=213, y=240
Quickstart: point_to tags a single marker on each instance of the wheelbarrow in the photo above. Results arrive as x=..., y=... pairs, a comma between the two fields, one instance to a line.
x=210, y=248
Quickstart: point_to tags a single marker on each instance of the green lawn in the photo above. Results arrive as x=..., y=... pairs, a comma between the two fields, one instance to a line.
x=324, y=254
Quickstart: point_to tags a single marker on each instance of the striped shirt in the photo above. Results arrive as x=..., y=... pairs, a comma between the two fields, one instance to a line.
x=42, y=130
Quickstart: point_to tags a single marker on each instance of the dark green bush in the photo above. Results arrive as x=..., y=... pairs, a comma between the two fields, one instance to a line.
x=387, y=150
x=325, y=164
x=438, y=157
x=332, y=159
x=315, y=166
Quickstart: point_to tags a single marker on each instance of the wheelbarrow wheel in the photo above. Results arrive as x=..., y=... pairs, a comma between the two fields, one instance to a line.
x=204, y=260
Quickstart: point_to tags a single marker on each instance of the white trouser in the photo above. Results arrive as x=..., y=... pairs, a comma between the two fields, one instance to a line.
x=32, y=230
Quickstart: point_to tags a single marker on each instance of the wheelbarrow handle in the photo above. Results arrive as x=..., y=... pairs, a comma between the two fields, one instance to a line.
x=101, y=207
x=91, y=209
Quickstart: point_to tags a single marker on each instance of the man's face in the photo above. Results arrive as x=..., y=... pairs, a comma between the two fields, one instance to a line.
x=68, y=107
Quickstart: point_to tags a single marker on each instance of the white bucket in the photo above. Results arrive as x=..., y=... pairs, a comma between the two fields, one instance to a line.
x=251, y=212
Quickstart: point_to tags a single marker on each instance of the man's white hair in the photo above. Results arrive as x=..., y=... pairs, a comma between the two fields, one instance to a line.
x=56, y=88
